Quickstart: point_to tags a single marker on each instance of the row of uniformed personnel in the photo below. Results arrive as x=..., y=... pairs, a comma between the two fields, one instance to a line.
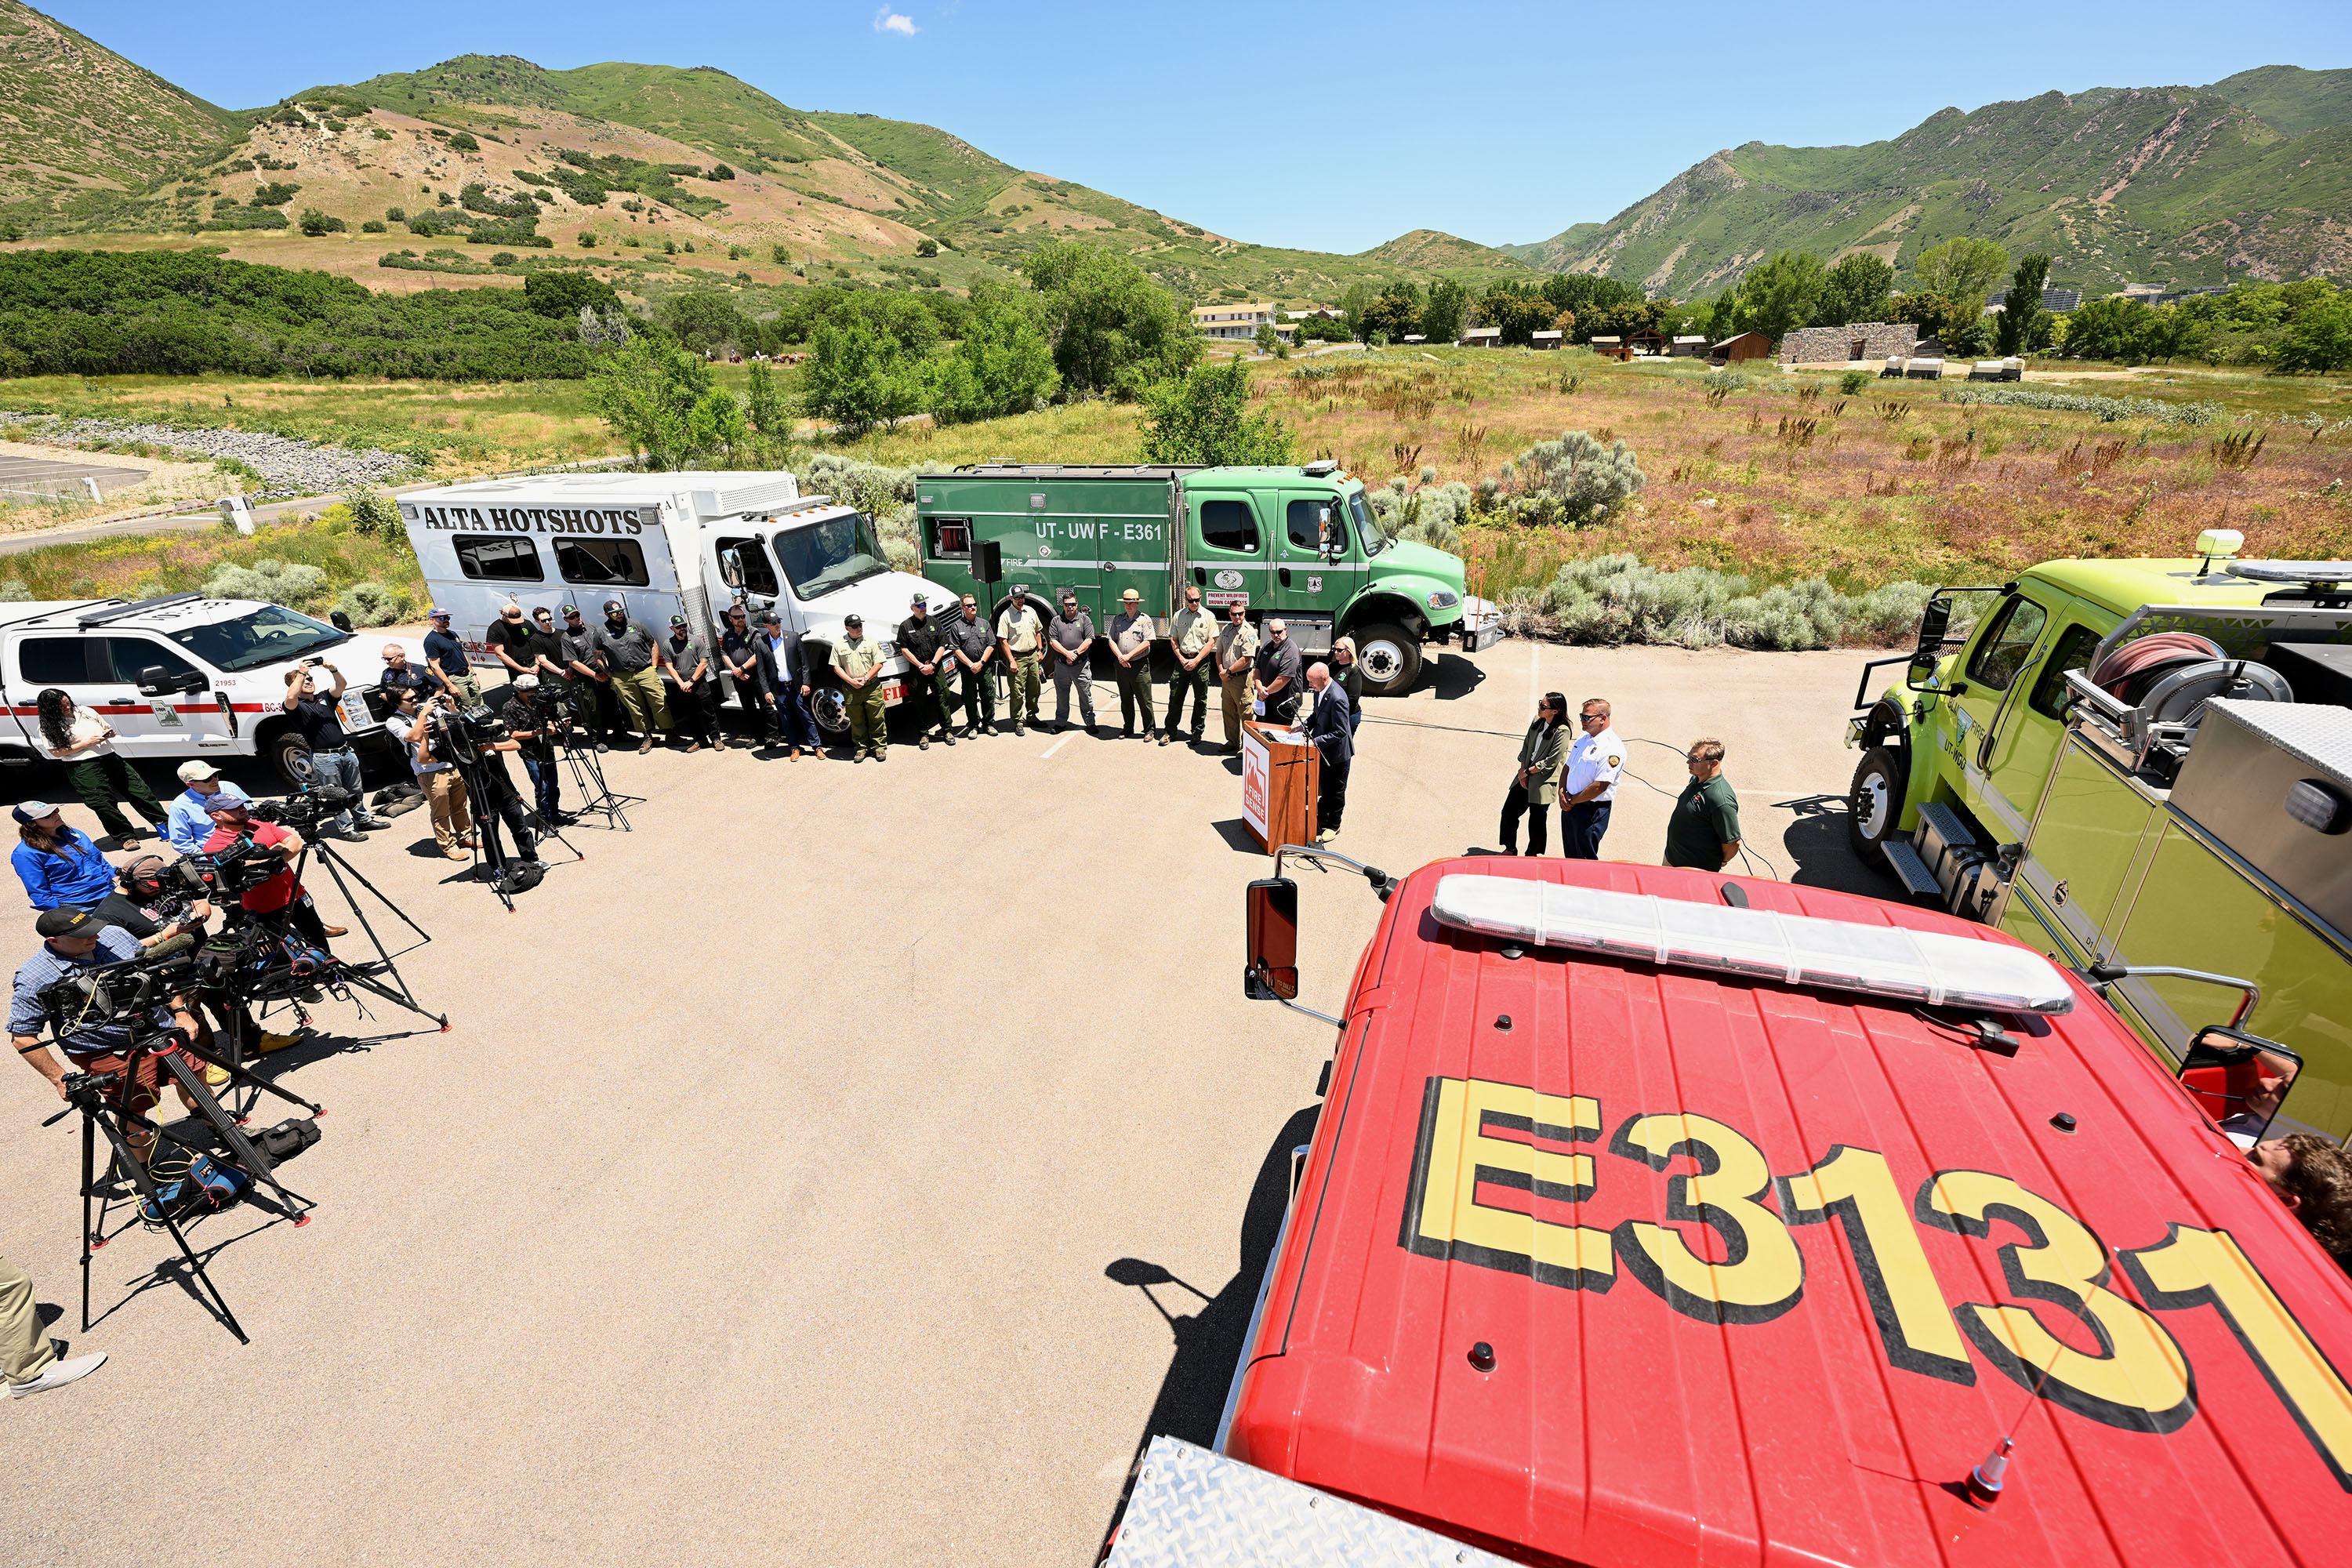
x=952, y=659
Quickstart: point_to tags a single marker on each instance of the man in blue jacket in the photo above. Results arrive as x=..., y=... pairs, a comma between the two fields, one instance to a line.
x=59, y=865
x=188, y=820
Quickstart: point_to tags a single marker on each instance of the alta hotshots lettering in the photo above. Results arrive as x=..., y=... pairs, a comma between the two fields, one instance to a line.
x=534, y=519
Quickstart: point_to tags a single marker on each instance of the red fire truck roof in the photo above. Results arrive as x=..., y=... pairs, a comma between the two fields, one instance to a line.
x=1599, y=1262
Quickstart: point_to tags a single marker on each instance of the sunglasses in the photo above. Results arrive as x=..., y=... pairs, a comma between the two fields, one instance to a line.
x=1593, y=718
x=542, y=615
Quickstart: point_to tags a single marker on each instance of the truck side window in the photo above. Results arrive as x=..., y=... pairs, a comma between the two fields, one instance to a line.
x=2073, y=651
x=130, y=656
x=53, y=662
x=621, y=562
x=499, y=558
x=759, y=576
x=1309, y=519
x=951, y=536
x=2002, y=651
x=1229, y=525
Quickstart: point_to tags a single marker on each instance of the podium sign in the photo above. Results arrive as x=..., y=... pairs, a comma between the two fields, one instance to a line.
x=1279, y=775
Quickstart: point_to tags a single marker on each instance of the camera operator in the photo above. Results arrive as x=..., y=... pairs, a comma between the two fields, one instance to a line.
x=155, y=908
x=233, y=821
x=190, y=810
x=533, y=720
x=454, y=741
x=321, y=722
x=75, y=941
x=444, y=792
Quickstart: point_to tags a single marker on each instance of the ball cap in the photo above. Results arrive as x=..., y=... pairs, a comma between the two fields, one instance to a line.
x=436, y=614
x=853, y=620
x=571, y=609
x=526, y=683
x=67, y=921
x=769, y=618
x=193, y=772
x=612, y=605
x=677, y=620
x=33, y=811
x=222, y=802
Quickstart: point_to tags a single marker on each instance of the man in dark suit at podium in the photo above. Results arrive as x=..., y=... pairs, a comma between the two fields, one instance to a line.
x=1328, y=733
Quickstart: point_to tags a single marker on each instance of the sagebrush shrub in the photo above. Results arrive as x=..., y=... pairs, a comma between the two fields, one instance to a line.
x=270, y=581
x=372, y=605
x=1612, y=599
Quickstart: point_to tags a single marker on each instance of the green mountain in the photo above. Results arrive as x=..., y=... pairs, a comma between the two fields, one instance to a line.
x=2291, y=100
x=80, y=125
x=2169, y=184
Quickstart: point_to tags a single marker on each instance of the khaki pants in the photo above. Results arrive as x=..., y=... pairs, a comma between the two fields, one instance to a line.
x=640, y=691
x=869, y=718
x=25, y=1350
x=445, y=797
x=1027, y=686
x=1237, y=703
x=1134, y=691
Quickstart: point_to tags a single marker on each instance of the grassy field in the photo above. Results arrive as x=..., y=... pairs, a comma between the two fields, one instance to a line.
x=1782, y=478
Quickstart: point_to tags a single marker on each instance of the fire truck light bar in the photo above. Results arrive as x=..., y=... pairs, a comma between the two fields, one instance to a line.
x=1916, y=966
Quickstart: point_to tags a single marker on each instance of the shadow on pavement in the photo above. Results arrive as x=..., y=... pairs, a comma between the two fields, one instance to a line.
x=1450, y=679
x=1236, y=832
x=1209, y=1338
x=1818, y=852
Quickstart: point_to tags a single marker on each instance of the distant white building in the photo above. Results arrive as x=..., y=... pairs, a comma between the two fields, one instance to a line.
x=1237, y=320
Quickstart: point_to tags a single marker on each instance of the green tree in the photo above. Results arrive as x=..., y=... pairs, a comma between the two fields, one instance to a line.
x=717, y=424
x=857, y=376
x=1781, y=294
x=1442, y=313
x=2020, y=309
x=2322, y=338
x=1204, y=416
x=647, y=392
x=706, y=322
x=927, y=247
x=1113, y=329
x=1395, y=315
x=315, y=222
x=1855, y=290
x=1002, y=365
x=769, y=412
x=1961, y=269
x=563, y=294
x=2114, y=328
x=1589, y=298
x=462, y=142
x=1266, y=339
x=1519, y=311
x=1355, y=303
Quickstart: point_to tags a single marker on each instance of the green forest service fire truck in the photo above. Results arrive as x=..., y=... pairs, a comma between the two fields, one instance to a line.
x=1299, y=543
x=2142, y=768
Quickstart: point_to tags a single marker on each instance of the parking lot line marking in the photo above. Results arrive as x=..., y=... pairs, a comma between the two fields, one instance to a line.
x=1055, y=746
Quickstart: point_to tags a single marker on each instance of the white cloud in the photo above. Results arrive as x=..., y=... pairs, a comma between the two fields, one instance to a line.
x=886, y=20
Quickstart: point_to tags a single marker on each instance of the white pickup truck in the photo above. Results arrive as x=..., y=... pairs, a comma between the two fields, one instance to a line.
x=184, y=676
x=658, y=544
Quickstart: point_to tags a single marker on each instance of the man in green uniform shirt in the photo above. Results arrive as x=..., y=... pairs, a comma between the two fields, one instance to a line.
x=1236, y=656
x=857, y=659
x=1192, y=634
x=1131, y=644
x=1019, y=632
x=1703, y=832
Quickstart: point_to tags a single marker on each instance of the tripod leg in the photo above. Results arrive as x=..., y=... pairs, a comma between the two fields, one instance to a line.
x=240, y=1074
x=146, y=1186
x=88, y=1181
x=257, y=1164
x=386, y=957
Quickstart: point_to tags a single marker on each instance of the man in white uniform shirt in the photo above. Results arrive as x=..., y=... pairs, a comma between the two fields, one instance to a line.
x=1589, y=783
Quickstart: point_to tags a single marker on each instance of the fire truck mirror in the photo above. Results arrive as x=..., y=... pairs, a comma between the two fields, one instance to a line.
x=2239, y=1080
x=731, y=568
x=1273, y=939
x=1934, y=622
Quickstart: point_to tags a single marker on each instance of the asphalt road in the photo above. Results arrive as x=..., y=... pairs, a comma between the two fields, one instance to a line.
x=848, y=1164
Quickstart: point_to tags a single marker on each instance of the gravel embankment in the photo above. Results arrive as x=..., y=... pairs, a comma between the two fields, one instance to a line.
x=287, y=467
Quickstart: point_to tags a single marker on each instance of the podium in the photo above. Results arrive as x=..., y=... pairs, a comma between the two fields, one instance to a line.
x=1279, y=778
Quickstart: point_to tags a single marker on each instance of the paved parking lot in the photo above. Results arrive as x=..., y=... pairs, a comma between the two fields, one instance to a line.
x=850, y=1164
x=22, y=477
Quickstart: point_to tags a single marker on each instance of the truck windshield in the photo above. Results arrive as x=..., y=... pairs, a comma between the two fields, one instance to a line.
x=830, y=554
x=262, y=638
x=1367, y=529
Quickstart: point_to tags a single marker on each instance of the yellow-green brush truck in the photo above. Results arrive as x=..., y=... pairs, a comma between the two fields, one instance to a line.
x=2144, y=769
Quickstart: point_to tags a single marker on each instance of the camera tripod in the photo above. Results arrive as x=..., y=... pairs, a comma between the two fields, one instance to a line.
x=489, y=800
x=597, y=798
x=342, y=975
x=87, y=1093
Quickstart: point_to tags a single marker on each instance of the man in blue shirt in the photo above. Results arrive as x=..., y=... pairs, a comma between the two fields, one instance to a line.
x=57, y=864
x=445, y=653
x=76, y=940
x=188, y=820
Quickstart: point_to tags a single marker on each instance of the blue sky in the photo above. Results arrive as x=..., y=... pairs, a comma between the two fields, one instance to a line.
x=1324, y=126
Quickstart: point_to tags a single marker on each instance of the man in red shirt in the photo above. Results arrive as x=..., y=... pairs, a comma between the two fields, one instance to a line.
x=231, y=822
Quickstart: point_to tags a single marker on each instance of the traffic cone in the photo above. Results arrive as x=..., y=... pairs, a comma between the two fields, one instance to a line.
x=1985, y=1481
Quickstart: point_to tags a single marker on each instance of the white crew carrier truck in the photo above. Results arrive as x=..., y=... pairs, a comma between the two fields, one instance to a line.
x=661, y=544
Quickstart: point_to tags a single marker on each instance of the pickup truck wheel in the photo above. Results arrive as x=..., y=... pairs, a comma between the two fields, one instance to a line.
x=1875, y=804
x=1391, y=660
x=290, y=757
x=830, y=708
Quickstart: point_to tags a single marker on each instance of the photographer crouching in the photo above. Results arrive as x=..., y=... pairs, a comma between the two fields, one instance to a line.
x=75, y=941
x=281, y=894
